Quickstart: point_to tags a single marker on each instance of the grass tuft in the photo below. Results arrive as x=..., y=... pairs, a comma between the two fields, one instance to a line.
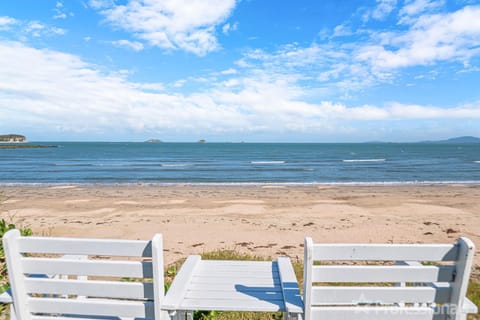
x=231, y=255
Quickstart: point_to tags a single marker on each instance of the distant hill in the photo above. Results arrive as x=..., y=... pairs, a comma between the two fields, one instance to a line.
x=465, y=139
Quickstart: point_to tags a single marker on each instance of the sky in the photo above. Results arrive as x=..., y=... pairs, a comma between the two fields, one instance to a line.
x=240, y=70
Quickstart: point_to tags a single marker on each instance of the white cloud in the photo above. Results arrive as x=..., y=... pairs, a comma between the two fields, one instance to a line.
x=414, y=8
x=341, y=31
x=382, y=10
x=133, y=45
x=61, y=92
x=175, y=24
x=61, y=15
x=33, y=28
x=402, y=111
x=179, y=83
x=156, y=86
x=227, y=28
x=7, y=22
x=342, y=66
x=229, y=71
x=431, y=38
x=60, y=11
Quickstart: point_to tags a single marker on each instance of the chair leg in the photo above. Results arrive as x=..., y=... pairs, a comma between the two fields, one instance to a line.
x=13, y=316
x=180, y=315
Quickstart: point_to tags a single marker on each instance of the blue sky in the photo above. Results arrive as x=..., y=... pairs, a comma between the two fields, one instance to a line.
x=250, y=70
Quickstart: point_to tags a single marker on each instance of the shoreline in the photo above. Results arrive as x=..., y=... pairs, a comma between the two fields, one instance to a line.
x=267, y=220
x=242, y=184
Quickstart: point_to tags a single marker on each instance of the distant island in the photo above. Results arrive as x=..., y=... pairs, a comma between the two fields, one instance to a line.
x=153, y=141
x=12, y=138
x=18, y=141
x=464, y=139
x=201, y=141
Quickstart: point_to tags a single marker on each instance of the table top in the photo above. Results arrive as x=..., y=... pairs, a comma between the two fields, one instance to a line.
x=234, y=286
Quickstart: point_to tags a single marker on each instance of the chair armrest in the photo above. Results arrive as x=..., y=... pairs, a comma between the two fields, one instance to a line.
x=175, y=293
x=291, y=293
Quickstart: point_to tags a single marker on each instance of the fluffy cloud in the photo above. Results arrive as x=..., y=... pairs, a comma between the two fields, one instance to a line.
x=59, y=11
x=383, y=9
x=413, y=8
x=345, y=65
x=133, y=45
x=23, y=29
x=37, y=29
x=6, y=22
x=227, y=28
x=61, y=92
x=174, y=24
x=430, y=39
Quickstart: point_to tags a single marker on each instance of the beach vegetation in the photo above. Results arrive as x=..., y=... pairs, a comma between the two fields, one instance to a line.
x=473, y=294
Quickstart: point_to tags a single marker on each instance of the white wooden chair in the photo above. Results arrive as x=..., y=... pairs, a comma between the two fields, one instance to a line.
x=116, y=279
x=434, y=276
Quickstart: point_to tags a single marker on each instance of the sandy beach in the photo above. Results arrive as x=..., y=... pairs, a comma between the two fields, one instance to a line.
x=261, y=220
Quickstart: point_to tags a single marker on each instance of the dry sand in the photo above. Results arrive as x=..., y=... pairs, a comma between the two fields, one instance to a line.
x=266, y=220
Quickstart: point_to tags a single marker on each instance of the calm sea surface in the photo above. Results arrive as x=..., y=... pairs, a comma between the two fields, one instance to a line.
x=241, y=163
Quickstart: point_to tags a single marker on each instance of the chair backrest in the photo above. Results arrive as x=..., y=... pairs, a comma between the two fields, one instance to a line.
x=386, y=281
x=113, y=279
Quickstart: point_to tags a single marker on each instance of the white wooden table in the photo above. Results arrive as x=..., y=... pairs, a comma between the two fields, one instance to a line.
x=264, y=286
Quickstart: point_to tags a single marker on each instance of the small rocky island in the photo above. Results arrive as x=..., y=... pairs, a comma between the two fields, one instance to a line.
x=12, y=138
x=18, y=141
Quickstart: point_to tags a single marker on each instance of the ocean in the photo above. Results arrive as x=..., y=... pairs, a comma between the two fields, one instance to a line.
x=241, y=163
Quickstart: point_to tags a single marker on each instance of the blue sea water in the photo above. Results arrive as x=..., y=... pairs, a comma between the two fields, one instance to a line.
x=241, y=163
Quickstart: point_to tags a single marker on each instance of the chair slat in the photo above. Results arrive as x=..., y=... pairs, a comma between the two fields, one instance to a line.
x=238, y=263
x=263, y=294
x=91, y=288
x=101, y=247
x=92, y=307
x=382, y=274
x=376, y=313
x=246, y=281
x=225, y=286
x=385, y=252
x=233, y=305
x=382, y=295
x=100, y=268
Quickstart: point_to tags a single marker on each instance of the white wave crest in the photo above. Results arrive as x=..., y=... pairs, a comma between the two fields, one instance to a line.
x=364, y=160
x=267, y=162
x=177, y=164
